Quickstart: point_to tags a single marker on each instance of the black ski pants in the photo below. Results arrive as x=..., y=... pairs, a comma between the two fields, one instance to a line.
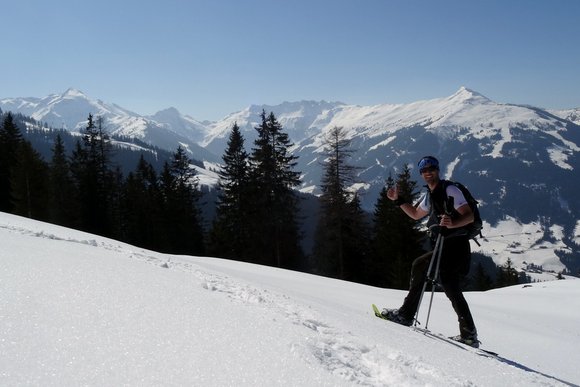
x=455, y=262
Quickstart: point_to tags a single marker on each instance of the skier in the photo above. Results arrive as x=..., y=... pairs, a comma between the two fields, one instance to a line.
x=456, y=253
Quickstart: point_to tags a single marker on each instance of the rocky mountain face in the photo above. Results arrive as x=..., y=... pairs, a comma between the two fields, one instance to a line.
x=520, y=162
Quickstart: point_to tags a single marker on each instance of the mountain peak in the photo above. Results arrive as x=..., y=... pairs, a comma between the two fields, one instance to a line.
x=467, y=95
x=170, y=110
x=71, y=92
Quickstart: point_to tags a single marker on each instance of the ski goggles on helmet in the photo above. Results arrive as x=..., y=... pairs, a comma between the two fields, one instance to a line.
x=428, y=162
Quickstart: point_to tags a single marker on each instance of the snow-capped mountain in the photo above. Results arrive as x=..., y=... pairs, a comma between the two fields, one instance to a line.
x=166, y=129
x=520, y=162
x=570, y=114
x=297, y=118
x=517, y=160
x=385, y=135
x=183, y=125
x=68, y=110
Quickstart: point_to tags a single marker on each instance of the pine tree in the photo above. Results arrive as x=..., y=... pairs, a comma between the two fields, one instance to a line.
x=141, y=203
x=507, y=275
x=275, y=235
x=385, y=211
x=340, y=232
x=62, y=207
x=481, y=280
x=94, y=179
x=29, y=183
x=230, y=234
x=80, y=178
x=181, y=219
x=115, y=198
x=397, y=239
x=10, y=140
x=357, y=242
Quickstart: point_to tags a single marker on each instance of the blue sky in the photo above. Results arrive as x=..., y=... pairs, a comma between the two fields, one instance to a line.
x=211, y=58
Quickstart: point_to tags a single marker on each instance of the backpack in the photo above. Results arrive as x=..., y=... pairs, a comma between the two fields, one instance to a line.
x=473, y=229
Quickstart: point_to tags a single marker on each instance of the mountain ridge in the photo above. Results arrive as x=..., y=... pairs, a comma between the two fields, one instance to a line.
x=301, y=119
x=517, y=160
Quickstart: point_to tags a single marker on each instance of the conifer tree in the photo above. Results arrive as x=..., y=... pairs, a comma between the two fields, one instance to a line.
x=62, y=205
x=181, y=219
x=94, y=178
x=273, y=216
x=141, y=203
x=507, y=275
x=10, y=140
x=29, y=183
x=357, y=242
x=397, y=239
x=378, y=266
x=230, y=233
x=481, y=280
x=80, y=178
x=341, y=227
x=115, y=197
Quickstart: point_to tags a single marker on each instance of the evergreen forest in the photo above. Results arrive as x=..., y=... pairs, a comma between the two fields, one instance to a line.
x=256, y=218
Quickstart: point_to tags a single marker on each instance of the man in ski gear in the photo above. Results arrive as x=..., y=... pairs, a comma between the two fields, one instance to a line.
x=450, y=213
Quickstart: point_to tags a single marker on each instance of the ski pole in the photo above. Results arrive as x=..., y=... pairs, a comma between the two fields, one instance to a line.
x=448, y=205
x=433, y=256
x=434, y=281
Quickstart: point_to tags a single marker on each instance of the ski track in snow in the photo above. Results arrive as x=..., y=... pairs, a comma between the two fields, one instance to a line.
x=339, y=351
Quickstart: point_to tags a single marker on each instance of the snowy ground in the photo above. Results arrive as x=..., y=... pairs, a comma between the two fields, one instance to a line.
x=76, y=309
x=525, y=244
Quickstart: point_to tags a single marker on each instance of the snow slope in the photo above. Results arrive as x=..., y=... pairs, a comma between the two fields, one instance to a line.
x=570, y=114
x=77, y=309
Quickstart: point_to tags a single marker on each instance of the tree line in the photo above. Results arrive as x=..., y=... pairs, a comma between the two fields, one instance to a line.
x=85, y=191
x=257, y=212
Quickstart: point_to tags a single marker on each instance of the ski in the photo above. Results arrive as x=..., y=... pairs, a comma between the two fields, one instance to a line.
x=378, y=313
x=458, y=344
